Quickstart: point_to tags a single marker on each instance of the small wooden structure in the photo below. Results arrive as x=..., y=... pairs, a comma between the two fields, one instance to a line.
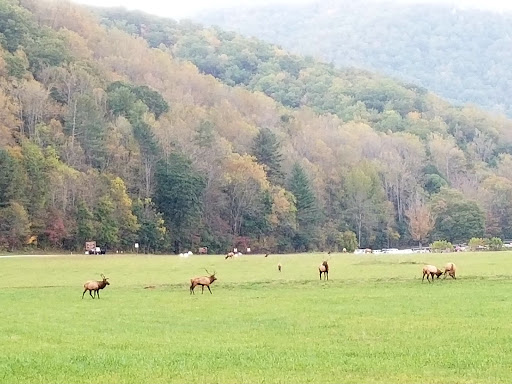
x=90, y=246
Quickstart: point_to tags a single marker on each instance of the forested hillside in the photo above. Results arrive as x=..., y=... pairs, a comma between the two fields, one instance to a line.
x=119, y=127
x=460, y=54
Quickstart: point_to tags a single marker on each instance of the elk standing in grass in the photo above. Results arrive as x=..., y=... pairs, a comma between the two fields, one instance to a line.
x=431, y=270
x=324, y=268
x=93, y=285
x=450, y=269
x=202, y=281
x=279, y=266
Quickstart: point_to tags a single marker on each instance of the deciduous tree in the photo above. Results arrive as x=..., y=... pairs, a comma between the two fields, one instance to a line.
x=457, y=218
x=421, y=221
x=14, y=225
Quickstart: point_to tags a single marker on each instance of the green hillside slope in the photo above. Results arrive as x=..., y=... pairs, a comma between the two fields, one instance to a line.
x=124, y=128
x=460, y=54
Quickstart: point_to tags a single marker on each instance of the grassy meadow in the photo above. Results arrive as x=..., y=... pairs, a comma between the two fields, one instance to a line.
x=374, y=321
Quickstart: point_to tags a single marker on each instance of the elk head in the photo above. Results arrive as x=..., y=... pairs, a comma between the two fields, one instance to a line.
x=212, y=276
x=105, y=279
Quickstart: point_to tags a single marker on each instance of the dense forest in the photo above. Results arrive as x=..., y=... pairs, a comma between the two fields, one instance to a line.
x=460, y=54
x=121, y=127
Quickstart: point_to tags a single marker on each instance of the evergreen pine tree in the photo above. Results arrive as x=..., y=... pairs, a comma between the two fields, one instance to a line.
x=267, y=151
x=307, y=209
x=85, y=228
x=13, y=179
x=178, y=195
x=151, y=233
x=87, y=125
x=108, y=229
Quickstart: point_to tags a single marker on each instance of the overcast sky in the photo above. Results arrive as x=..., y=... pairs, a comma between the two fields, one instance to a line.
x=186, y=8
x=182, y=8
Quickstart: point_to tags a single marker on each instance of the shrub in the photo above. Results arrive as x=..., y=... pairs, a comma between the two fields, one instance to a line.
x=349, y=241
x=441, y=246
x=495, y=244
x=477, y=243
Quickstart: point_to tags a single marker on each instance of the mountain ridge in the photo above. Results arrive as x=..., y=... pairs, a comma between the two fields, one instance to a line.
x=460, y=55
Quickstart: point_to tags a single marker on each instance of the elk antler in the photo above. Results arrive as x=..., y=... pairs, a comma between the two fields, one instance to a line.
x=207, y=271
x=103, y=276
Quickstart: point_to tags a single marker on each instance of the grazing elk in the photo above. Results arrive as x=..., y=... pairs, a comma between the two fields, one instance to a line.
x=203, y=250
x=431, y=270
x=93, y=285
x=450, y=269
x=230, y=255
x=202, y=281
x=324, y=268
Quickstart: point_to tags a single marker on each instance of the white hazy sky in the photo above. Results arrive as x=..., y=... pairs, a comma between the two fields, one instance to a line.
x=186, y=8
x=182, y=8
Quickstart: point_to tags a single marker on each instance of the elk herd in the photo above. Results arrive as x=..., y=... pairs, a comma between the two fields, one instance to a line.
x=94, y=286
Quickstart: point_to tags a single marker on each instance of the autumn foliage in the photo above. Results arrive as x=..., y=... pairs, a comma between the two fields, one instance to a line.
x=121, y=134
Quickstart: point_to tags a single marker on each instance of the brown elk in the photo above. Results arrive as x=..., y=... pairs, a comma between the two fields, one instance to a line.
x=324, y=268
x=431, y=270
x=279, y=266
x=229, y=255
x=202, y=281
x=93, y=285
x=450, y=269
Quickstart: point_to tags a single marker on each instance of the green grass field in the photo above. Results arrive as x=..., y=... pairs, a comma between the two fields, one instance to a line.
x=374, y=321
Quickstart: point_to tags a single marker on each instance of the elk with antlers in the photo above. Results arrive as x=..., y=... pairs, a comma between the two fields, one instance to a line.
x=202, y=281
x=324, y=268
x=93, y=285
